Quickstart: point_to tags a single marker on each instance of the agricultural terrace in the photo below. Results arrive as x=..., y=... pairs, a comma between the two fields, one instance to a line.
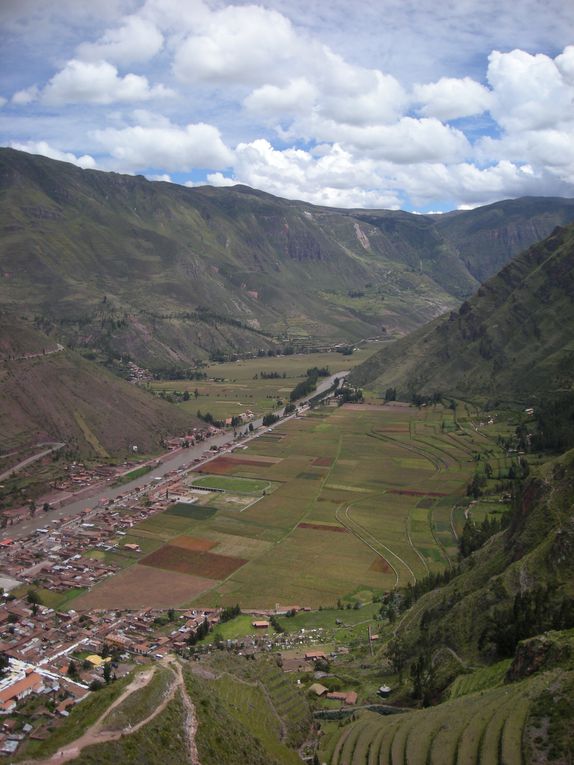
x=365, y=498
x=484, y=726
x=233, y=387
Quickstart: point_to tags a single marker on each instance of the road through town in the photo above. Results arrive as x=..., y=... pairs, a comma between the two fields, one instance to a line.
x=182, y=458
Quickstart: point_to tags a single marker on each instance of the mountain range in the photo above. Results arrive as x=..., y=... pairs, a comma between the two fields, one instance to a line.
x=170, y=275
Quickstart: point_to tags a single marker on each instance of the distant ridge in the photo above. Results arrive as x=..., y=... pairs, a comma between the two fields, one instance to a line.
x=515, y=337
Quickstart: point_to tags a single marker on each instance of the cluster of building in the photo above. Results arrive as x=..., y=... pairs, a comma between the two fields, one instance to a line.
x=54, y=659
x=138, y=374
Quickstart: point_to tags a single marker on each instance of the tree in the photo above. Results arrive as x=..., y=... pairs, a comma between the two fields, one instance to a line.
x=397, y=655
x=186, y=395
x=73, y=670
x=423, y=677
x=107, y=672
x=34, y=600
x=4, y=664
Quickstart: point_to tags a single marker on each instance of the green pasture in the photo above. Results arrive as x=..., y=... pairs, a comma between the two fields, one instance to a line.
x=236, y=628
x=192, y=512
x=232, y=387
x=233, y=484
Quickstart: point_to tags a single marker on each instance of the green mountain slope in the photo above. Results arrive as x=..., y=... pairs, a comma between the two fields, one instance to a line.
x=168, y=274
x=48, y=393
x=515, y=337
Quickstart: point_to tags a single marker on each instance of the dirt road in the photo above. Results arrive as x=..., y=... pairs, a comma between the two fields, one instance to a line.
x=98, y=734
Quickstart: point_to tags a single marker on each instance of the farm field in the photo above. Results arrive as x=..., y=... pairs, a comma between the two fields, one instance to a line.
x=227, y=483
x=364, y=499
x=234, y=386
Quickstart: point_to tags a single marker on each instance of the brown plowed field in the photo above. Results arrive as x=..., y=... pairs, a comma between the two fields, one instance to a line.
x=323, y=462
x=380, y=564
x=224, y=465
x=323, y=527
x=144, y=587
x=193, y=543
x=192, y=562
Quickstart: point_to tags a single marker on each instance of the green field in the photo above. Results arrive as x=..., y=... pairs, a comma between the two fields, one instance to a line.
x=232, y=387
x=364, y=499
x=231, y=484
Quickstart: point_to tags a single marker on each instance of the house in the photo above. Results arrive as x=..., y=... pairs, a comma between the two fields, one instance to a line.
x=31, y=683
x=132, y=547
x=260, y=625
x=314, y=655
x=318, y=689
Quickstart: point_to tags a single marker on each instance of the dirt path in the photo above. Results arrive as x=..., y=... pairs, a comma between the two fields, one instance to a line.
x=363, y=534
x=190, y=717
x=58, y=349
x=29, y=460
x=98, y=734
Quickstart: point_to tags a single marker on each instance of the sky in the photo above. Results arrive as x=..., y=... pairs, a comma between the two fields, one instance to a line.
x=404, y=104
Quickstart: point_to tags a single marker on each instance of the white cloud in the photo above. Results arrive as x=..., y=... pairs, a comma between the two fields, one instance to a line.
x=25, y=97
x=3, y=101
x=332, y=179
x=471, y=185
x=171, y=148
x=297, y=97
x=237, y=44
x=450, y=98
x=218, y=179
x=165, y=177
x=98, y=83
x=406, y=141
x=531, y=92
x=42, y=147
x=136, y=40
x=565, y=64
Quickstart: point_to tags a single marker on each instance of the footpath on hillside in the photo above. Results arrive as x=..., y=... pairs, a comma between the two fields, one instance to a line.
x=97, y=733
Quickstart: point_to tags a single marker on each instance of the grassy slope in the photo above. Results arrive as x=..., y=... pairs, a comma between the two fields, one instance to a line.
x=514, y=337
x=63, y=397
x=533, y=551
x=134, y=263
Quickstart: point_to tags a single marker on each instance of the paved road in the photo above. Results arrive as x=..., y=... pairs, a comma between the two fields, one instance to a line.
x=181, y=459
